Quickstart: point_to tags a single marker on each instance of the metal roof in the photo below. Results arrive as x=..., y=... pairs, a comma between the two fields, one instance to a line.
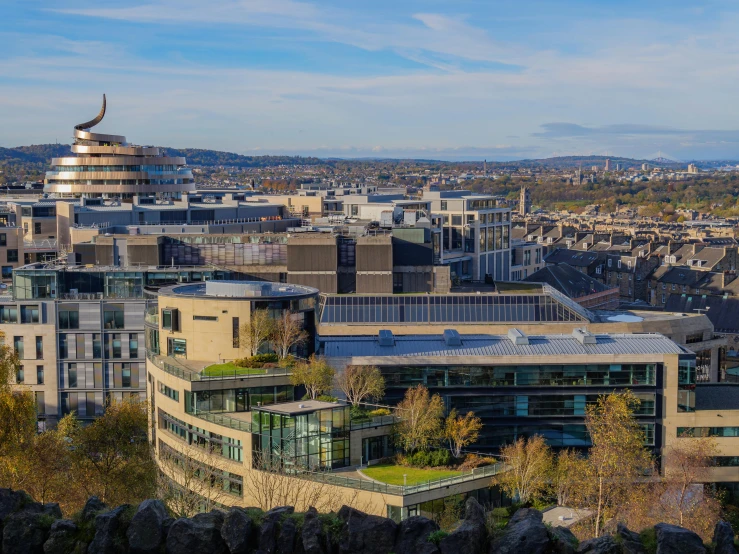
x=500, y=345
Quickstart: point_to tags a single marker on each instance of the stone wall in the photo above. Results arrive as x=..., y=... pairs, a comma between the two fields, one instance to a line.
x=32, y=528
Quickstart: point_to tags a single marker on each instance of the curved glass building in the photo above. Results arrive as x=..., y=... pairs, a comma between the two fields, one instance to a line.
x=107, y=166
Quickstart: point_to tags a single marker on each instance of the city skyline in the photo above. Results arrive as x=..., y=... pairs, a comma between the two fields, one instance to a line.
x=411, y=79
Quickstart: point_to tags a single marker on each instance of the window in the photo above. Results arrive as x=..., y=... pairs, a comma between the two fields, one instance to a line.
x=133, y=346
x=69, y=317
x=598, y=270
x=170, y=319
x=20, y=377
x=235, y=331
x=40, y=405
x=3, y=239
x=126, y=376
x=609, y=262
x=97, y=351
x=619, y=264
x=457, y=220
x=444, y=205
x=7, y=271
x=171, y=393
x=29, y=314
x=115, y=345
x=37, y=227
x=39, y=375
x=113, y=316
x=205, y=318
x=8, y=314
x=72, y=376
x=470, y=219
x=12, y=255
x=18, y=346
x=39, y=348
x=176, y=347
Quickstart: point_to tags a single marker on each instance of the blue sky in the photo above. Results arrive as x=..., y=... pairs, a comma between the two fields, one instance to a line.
x=463, y=79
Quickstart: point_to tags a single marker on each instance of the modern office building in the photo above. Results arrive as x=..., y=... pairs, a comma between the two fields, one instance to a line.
x=107, y=166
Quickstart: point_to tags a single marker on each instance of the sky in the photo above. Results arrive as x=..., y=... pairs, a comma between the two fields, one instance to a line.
x=433, y=79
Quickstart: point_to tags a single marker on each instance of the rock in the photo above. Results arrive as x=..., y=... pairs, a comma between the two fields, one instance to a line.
x=201, y=533
x=62, y=537
x=25, y=532
x=52, y=509
x=723, y=539
x=366, y=534
x=237, y=531
x=676, y=540
x=630, y=541
x=471, y=535
x=12, y=501
x=279, y=512
x=268, y=533
x=288, y=537
x=600, y=545
x=413, y=534
x=562, y=540
x=145, y=534
x=525, y=533
x=312, y=536
x=109, y=532
x=93, y=506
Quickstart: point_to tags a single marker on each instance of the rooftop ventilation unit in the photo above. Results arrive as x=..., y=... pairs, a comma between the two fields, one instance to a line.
x=517, y=337
x=584, y=336
x=452, y=338
x=386, y=338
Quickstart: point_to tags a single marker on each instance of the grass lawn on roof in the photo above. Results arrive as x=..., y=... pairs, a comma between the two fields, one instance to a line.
x=393, y=474
x=216, y=370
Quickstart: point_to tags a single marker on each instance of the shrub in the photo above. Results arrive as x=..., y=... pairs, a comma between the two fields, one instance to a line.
x=499, y=512
x=432, y=458
x=471, y=461
x=437, y=536
x=327, y=398
x=380, y=412
x=440, y=458
x=649, y=540
x=358, y=414
x=263, y=358
x=256, y=361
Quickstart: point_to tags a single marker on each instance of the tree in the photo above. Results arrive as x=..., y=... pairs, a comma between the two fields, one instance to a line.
x=419, y=417
x=684, y=500
x=17, y=413
x=562, y=478
x=529, y=463
x=359, y=382
x=315, y=375
x=461, y=431
x=256, y=332
x=287, y=332
x=617, y=461
x=190, y=480
x=111, y=456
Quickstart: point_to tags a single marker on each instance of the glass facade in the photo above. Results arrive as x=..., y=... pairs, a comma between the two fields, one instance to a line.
x=690, y=432
x=313, y=440
x=237, y=400
x=207, y=440
x=449, y=308
x=523, y=375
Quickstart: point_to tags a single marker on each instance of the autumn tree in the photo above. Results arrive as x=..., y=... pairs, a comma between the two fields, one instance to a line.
x=316, y=375
x=256, y=332
x=617, y=460
x=420, y=416
x=359, y=382
x=529, y=463
x=111, y=456
x=287, y=333
x=461, y=431
x=568, y=463
x=684, y=499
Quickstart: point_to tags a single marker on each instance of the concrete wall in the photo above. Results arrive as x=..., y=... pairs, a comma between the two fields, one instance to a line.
x=312, y=260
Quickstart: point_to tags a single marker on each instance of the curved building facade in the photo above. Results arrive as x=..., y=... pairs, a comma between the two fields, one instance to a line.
x=108, y=166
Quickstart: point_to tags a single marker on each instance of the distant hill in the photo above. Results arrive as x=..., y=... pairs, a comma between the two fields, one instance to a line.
x=196, y=156
x=36, y=153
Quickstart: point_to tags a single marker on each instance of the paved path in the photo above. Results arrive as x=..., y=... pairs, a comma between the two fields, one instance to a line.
x=560, y=516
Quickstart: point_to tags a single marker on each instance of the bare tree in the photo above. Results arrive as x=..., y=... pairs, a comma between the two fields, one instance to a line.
x=256, y=332
x=191, y=480
x=359, y=382
x=287, y=333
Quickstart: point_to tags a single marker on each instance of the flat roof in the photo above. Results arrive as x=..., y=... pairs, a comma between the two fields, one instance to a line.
x=239, y=290
x=297, y=408
x=544, y=346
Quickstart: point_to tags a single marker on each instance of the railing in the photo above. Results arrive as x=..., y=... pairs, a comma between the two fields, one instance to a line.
x=193, y=375
x=225, y=420
x=402, y=490
x=41, y=244
x=377, y=421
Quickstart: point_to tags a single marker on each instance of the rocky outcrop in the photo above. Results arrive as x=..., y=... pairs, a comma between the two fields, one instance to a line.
x=672, y=539
x=28, y=527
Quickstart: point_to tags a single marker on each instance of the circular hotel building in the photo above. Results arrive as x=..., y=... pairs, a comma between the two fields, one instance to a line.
x=109, y=167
